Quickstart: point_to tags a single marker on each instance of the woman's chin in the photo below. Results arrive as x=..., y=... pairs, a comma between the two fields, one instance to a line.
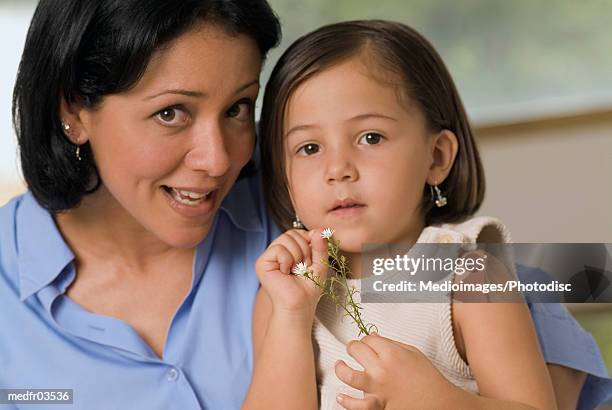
x=185, y=238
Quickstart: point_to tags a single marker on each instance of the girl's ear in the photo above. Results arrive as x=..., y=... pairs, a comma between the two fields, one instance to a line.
x=443, y=152
x=71, y=115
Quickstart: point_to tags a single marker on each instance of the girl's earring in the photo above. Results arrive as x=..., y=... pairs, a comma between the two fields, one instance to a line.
x=439, y=199
x=297, y=224
x=78, y=153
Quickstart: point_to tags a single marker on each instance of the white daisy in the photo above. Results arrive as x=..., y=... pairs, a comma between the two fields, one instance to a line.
x=300, y=269
x=327, y=233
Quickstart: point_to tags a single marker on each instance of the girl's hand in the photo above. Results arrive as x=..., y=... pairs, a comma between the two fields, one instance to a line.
x=289, y=292
x=395, y=376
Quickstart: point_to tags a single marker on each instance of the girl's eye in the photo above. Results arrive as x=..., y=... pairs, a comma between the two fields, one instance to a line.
x=242, y=110
x=172, y=117
x=370, y=138
x=308, y=149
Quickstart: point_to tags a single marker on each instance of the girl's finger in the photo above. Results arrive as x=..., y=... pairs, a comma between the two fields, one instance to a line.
x=387, y=348
x=354, y=378
x=302, y=242
x=377, y=343
x=369, y=402
x=281, y=255
x=319, y=253
x=290, y=244
x=364, y=354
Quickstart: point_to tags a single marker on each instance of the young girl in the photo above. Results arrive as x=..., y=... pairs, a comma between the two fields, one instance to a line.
x=364, y=132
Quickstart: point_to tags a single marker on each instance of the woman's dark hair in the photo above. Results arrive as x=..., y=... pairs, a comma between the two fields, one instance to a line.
x=83, y=50
x=424, y=80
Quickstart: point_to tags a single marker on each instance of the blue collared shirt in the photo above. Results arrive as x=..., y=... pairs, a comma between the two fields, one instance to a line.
x=566, y=343
x=47, y=341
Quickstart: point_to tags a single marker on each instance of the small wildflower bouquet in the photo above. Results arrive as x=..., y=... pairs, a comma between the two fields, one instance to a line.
x=336, y=286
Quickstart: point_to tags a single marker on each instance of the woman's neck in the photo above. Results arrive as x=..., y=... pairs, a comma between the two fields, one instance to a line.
x=100, y=228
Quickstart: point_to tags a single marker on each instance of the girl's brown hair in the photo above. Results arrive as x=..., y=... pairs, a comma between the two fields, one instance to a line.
x=425, y=81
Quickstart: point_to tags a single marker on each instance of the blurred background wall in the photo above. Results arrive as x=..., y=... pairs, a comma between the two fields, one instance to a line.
x=535, y=78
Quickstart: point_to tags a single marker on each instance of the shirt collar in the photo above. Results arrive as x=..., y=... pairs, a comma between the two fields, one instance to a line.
x=243, y=204
x=42, y=252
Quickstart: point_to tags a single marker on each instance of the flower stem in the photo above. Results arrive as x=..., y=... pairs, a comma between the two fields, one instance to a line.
x=338, y=264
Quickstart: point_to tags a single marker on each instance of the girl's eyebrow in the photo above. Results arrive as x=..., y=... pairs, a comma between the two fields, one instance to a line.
x=303, y=127
x=365, y=116
x=359, y=117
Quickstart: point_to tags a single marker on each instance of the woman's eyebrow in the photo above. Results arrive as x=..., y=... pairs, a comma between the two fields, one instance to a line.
x=198, y=94
x=247, y=85
x=178, y=91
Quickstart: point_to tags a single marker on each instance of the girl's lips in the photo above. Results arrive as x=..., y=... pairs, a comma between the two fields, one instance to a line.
x=345, y=203
x=348, y=211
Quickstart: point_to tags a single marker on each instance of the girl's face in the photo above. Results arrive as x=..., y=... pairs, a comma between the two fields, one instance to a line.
x=169, y=149
x=357, y=158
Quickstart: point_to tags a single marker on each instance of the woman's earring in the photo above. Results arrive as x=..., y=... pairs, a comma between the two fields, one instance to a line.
x=439, y=199
x=297, y=224
x=66, y=128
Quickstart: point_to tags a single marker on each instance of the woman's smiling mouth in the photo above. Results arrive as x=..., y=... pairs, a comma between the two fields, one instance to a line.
x=191, y=202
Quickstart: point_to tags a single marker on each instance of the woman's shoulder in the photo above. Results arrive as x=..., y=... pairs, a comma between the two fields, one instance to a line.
x=8, y=214
x=11, y=205
x=8, y=241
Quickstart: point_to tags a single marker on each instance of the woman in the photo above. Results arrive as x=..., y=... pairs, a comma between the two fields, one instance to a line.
x=134, y=120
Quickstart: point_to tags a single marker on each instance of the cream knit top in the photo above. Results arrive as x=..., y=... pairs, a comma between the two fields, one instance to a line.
x=426, y=326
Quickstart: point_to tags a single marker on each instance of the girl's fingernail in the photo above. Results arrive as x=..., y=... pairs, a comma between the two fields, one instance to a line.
x=339, y=398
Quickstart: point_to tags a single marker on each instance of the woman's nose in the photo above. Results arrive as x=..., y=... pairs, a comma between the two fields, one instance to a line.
x=209, y=152
x=341, y=168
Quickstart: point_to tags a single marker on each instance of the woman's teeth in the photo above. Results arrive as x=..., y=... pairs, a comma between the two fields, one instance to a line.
x=188, y=197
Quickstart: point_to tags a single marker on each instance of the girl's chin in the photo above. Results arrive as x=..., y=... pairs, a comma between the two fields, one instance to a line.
x=351, y=246
x=359, y=243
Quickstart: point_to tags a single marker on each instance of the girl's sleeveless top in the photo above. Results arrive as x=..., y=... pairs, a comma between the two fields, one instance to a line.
x=426, y=326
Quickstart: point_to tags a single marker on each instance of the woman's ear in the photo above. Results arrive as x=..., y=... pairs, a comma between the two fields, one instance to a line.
x=71, y=116
x=443, y=153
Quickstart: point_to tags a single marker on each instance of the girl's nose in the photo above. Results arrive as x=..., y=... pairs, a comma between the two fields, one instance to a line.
x=209, y=152
x=341, y=168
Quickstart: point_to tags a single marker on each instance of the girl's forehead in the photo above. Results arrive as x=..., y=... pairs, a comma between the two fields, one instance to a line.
x=343, y=91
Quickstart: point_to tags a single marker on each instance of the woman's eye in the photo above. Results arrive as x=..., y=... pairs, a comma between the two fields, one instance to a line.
x=242, y=110
x=172, y=117
x=371, y=138
x=308, y=149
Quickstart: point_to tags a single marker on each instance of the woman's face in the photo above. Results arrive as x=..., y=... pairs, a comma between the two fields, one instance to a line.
x=169, y=149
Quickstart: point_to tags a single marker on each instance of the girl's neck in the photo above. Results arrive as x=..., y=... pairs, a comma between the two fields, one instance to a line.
x=354, y=263
x=356, y=259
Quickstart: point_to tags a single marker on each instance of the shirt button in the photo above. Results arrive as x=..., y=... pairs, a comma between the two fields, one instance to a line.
x=172, y=375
